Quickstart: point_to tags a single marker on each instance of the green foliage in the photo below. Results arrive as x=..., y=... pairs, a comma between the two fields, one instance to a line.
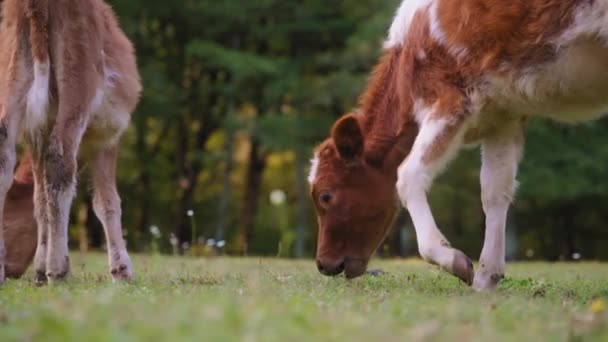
x=270, y=71
x=221, y=77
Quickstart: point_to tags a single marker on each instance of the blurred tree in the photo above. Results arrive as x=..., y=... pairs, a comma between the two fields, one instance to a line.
x=236, y=94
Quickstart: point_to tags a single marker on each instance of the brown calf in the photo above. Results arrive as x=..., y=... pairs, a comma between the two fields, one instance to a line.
x=68, y=83
x=454, y=72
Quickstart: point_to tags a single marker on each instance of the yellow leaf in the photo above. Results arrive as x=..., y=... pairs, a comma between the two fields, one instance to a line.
x=598, y=305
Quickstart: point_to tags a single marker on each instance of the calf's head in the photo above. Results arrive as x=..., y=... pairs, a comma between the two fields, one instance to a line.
x=355, y=200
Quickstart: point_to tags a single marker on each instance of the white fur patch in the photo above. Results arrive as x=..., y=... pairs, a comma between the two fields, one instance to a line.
x=570, y=89
x=414, y=179
x=112, y=77
x=403, y=19
x=97, y=100
x=314, y=166
x=38, y=97
x=589, y=19
x=421, y=111
x=414, y=174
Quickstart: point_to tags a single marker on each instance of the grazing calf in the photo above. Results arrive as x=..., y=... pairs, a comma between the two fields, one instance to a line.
x=68, y=83
x=454, y=72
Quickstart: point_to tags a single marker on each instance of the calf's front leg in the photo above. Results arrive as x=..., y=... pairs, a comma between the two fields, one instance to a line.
x=437, y=142
x=501, y=154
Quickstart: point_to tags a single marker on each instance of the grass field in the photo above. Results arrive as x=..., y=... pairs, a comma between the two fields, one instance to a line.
x=176, y=299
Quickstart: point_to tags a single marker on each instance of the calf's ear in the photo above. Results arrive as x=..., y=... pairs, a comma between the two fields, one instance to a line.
x=348, y=137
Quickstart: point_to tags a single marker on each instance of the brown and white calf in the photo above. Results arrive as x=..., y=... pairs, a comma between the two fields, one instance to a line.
x=454, y=72
x=68, y=83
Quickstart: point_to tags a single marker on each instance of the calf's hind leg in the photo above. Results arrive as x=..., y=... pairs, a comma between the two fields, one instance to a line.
x=60, y=186
x=59, y=167
x=106, y=204
x=42, y=223
x=437, y=142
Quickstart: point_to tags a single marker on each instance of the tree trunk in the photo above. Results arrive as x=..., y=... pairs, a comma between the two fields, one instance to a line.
x=224, y=203
x=95, y=233
x=181, y=230
x=143, y=222
x=189, y=170
x=255, y=170
x=399, y=248
x=302, y=216
x=143, y=217
x=81, y=217
x=569, y=231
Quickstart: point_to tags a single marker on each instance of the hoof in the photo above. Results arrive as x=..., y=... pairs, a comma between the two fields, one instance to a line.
x=462, y=267
x=121, y=273
x=376, y=272
x=120, y=267
x=40, y=278
x=54, y=278
x=487, y=282
x=57, y=273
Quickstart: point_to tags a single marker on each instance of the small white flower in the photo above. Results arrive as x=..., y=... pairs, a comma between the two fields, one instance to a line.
x=211, y=242
x=529, y=253
x=190, y=213
x=221, y=244
x=173, y=240
x=155, y=231
x=277, y=197
x=576, y=256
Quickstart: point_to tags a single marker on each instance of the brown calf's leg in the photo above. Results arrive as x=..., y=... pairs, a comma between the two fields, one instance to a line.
x=501, y=154
x=60, y=167
x=60, y=186
x=437, y=142
x=106, y=203
x=78, y=80
x=42, y=222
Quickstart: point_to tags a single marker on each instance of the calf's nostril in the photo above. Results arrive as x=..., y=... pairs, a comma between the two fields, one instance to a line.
x=340, y=268
x=320, y=267
x=330, y=270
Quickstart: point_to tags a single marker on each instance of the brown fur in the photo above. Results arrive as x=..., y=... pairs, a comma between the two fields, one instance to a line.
x=496, y=31
x=93, y=86
x=370, y=173
x=37, y=13
x=481, y=39
x=19, y=223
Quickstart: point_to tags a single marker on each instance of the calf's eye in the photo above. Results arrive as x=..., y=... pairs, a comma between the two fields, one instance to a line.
x=325, y=198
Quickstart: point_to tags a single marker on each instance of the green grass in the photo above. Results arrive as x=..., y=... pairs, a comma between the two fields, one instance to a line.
x=253, y=299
